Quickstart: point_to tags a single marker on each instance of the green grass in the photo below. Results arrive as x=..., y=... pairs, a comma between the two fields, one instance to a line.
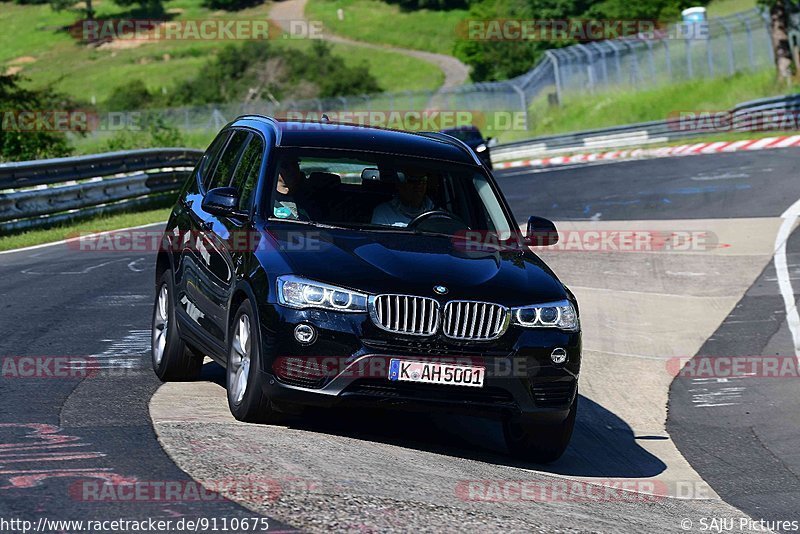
x=722, y=8
x=98, y=141
x=378, y=22
x=613, y=108
x=95, y=224
x=52, y=56
x=386, y=66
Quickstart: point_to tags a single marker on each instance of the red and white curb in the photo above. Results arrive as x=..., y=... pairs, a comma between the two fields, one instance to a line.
x=670, y=151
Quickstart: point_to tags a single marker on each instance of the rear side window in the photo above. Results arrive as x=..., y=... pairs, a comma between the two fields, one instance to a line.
x=223, y=172
x=246, y=175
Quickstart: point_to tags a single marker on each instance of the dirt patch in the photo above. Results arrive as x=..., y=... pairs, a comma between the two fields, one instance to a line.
x=22, y=60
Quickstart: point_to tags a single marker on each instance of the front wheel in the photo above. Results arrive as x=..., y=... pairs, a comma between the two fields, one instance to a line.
x=171, y=358
x=246, y=398
x=538, y=442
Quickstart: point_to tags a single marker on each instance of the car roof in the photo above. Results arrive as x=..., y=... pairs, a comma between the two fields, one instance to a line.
x=311, y=134
x=465, y=128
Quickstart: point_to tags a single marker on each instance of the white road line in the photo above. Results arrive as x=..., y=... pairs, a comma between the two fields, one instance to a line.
x=71, y=239
x=782, y=269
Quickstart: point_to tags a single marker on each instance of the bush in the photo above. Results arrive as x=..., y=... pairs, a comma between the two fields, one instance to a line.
x=157, y=134
x=330, y=73
x=18, y=144
x=149, y=8
x=258, y=69
x=130, y=97
x=231, y=5
x=439, y=5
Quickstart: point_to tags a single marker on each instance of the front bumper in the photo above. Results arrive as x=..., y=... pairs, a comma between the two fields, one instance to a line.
x=348, y=362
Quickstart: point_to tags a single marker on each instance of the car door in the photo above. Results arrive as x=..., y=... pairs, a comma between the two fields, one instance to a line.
x=209, y=277
x=228, y=241
x=188, y=227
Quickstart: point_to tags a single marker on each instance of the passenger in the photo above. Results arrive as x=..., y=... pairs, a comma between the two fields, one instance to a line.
x=410, y=200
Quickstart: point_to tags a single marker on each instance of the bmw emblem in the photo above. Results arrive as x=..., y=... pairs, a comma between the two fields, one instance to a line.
x=558, y=355
x=440, y=290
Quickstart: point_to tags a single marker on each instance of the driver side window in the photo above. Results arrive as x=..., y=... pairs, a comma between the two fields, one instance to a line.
x=223, y=172
x=246, y=175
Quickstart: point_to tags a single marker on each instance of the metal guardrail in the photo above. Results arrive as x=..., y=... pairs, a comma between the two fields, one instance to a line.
x=41, y=193
x=744, y=117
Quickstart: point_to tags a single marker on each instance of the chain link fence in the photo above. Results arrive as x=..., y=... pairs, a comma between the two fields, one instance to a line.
x=739, y=42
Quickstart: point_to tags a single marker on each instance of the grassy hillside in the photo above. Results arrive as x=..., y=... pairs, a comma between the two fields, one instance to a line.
x=378, y=22
x=721, y=8
x=34, y=43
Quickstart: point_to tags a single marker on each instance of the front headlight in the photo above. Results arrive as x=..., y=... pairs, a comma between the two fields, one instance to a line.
x=480, y=148
x=551, y=315
x=297, y=292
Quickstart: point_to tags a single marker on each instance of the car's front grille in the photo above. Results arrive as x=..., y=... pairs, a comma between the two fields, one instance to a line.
x=405, y=314
x=472, y=320
x=433, y=347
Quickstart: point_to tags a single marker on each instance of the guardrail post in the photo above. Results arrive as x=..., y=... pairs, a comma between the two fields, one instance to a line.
x=729, y=41
x=650, y=60
x=603, y=64
x=667, y=57
x=617, y=62
x=556, y=72
x=589, y=66
x=523, y=103
x=749, y=33
x=768, y=25
x=636, y=75
x=709, y=57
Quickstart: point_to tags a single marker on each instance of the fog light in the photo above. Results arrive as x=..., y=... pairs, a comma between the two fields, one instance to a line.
x=558, y=355
x=305, y=334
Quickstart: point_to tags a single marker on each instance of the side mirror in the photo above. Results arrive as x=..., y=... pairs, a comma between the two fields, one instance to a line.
x=491, y=141
x=223, y=201
x=370, y=174
x=541, y=232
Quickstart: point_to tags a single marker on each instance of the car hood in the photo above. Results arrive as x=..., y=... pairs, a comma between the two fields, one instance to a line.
x=383, y=262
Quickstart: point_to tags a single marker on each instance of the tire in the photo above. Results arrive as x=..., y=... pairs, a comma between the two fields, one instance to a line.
x=537, y=442
x=172, y=360
x=246, y=398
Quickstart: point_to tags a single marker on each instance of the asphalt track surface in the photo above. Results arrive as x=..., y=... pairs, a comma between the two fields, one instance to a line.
x=356, y=472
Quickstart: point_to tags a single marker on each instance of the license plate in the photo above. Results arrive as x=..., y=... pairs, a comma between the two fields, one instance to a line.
x=436, y=373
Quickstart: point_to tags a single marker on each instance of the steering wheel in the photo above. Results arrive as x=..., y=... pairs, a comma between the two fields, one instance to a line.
x=432, y=215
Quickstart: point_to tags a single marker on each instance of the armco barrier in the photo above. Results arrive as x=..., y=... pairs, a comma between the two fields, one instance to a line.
x=45, y=192
x=646, y=133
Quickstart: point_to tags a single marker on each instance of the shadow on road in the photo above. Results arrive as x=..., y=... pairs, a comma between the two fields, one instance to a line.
x=603, y=445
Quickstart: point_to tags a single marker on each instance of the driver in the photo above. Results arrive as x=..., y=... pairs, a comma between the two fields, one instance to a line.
x=290, y=191
x=410, y=200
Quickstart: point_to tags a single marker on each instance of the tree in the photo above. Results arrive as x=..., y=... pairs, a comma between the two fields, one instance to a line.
x=150, y=8
x=60, y=5
x=779, y=30
x=18, y=142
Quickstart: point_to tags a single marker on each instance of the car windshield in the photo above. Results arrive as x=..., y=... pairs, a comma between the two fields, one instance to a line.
x=386, y=192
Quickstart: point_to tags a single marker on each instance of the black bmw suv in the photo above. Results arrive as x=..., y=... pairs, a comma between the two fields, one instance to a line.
x=326, y=264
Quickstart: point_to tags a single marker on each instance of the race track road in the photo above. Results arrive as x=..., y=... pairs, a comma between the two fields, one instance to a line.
x=642, y=313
